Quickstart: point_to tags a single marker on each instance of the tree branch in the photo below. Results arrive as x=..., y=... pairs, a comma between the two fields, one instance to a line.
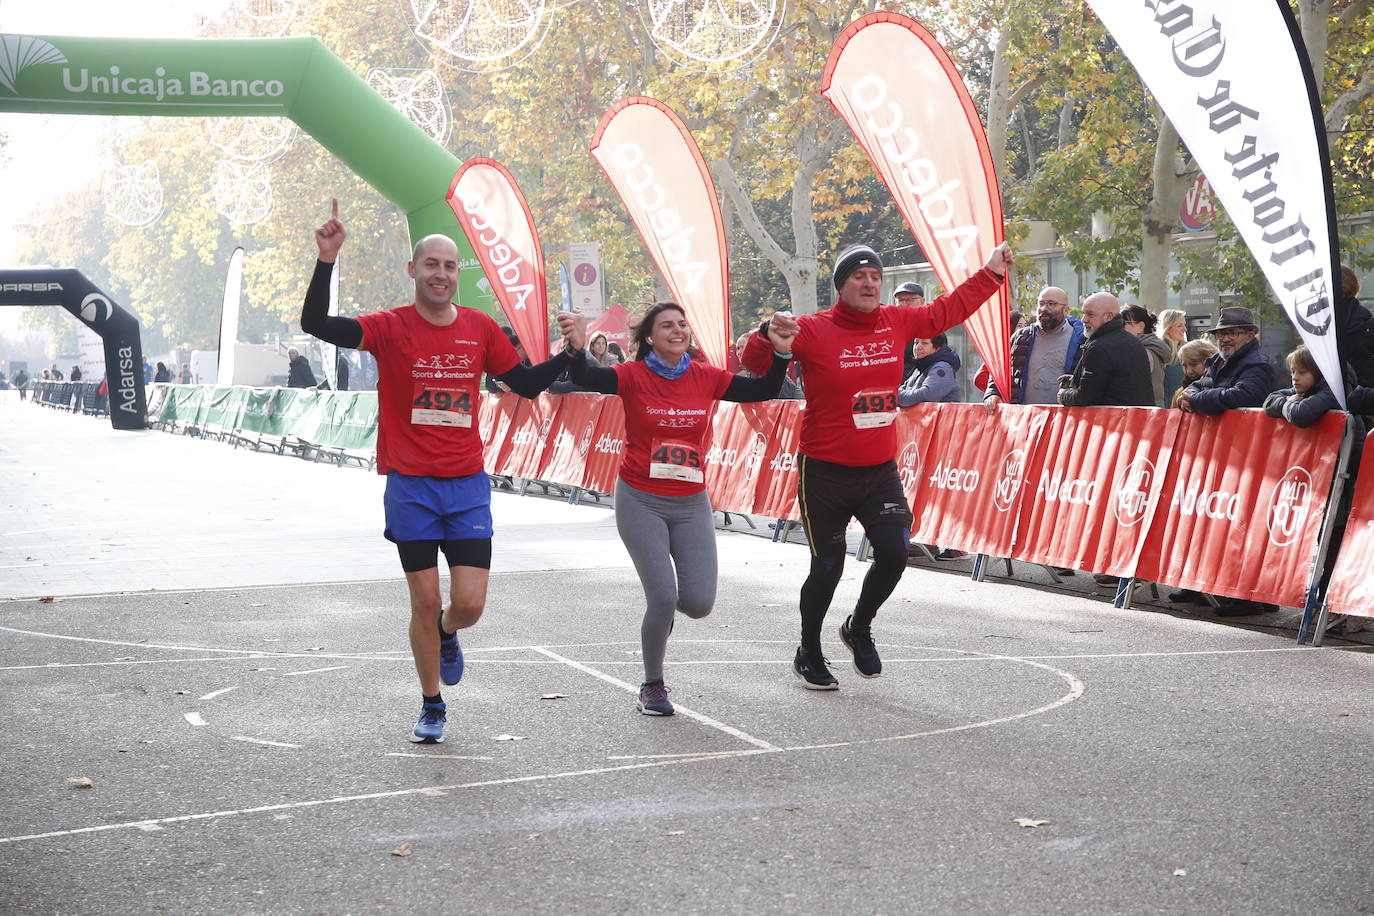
x=748, y=217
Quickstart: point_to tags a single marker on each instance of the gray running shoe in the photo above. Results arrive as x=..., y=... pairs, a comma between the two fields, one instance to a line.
x=653, y=699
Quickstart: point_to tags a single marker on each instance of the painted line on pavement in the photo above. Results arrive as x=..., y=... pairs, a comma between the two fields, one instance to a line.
x=315, y=670
x=682, y=710
x=216, y=693
x=194, y=718
x=249, y=740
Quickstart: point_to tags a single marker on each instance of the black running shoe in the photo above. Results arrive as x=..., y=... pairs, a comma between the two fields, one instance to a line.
x=860, y=644
x=813, y=671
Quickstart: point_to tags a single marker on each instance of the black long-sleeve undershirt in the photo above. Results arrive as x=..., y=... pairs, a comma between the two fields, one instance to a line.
x=741, y=389
x=526, y=381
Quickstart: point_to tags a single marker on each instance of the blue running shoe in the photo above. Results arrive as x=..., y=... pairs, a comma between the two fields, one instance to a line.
x=430, y=728
x=450, y=656
x=653, y=699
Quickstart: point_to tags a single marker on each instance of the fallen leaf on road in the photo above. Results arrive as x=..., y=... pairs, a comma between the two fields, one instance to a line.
x=314, y=648
x=1028, y=822
x=1342, y=715
x=80, y=782
x=1180, y=872
x=534, y=836
x=554, y=696
x=509, y=738
x=257, y=605
x=182, y=692
x=403, y=850
x=47, y=599
x=31, y=558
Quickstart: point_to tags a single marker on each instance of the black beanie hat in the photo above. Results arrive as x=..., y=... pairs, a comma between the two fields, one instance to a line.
x=851, y=259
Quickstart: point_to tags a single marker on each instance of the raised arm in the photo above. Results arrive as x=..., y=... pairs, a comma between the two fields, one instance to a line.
x=315, y=318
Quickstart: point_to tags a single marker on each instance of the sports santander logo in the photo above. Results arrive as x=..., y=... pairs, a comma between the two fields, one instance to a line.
x=1289, y=506
x=1132, y=491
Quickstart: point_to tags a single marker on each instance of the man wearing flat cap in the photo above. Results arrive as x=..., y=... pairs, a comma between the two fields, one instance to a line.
x=851, y=358
x=1239, y=376
x=911, y=295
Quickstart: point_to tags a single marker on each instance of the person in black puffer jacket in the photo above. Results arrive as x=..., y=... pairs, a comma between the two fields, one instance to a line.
x=1113, y=369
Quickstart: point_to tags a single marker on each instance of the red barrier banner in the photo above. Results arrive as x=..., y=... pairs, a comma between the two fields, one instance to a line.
x=529, y=437
x=499, y=414
x=740, y=434
x=971, y=486
x=1352, y=581
x=570, y=439
x=1094, y=486
x=1243, y=506
x=608, y=441
x=657, y=169
x=776, y=493
x=903, y=98
x=915, y=433
x=497, y=222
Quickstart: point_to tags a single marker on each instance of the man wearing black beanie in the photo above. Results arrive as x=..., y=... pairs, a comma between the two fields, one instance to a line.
x=851, y=358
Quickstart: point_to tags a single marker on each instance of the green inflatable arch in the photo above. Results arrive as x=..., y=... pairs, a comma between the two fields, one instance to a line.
x=296, y=78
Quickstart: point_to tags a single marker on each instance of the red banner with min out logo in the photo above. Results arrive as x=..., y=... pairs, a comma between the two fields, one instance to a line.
x=1352, y=581
x=739, y=442
x=974, y=475
x=1093, y=487
x=1242, y=506
x=569, y=439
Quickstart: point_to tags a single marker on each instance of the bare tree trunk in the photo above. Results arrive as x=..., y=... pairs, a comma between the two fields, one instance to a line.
x=1157, y=224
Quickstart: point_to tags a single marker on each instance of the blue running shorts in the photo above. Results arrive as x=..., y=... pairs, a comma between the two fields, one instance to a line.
x=437, y=508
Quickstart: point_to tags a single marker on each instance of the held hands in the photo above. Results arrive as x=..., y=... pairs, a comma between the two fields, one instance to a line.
x=1183, y=402
x=782, y=331
x=573, y=326
x=1000, y=261
x=329, y=238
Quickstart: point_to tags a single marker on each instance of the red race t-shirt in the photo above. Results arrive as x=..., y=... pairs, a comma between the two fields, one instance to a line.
x=428, y=383
x=851, y=365
x=667, y=425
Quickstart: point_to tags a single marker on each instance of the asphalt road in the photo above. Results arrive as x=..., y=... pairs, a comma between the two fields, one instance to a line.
x=224, y=659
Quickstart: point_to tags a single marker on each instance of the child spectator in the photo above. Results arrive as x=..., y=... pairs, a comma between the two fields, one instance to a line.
x=1193, y=356
x=1308, y=400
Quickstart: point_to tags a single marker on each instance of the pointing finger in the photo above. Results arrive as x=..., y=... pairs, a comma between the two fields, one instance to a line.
x=334, y=207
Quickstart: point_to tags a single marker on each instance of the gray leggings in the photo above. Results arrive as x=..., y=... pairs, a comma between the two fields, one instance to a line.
x=660, y=533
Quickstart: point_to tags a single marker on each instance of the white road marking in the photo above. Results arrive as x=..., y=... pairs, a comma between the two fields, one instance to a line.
x=314, y=670
x=261, y=741
x=194, y=718
x=682, y=710
x=371, y=796
x=669, y=756
x=437, y=756
x=215, y=693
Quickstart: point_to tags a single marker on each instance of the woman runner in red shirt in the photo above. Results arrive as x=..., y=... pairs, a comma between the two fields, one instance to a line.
x=661, y=508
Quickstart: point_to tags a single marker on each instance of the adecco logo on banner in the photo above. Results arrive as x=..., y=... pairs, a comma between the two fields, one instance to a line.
x=1288, y=506
x=665, y=222
x=1009, y=475
x=1132, y=489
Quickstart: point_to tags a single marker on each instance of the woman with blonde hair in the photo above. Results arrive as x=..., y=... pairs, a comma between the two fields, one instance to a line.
x=1173, y=330
x=1192, y=359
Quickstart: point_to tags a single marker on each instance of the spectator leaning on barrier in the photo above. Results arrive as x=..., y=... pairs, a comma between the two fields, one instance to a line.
x=1309, y=399
x=1113, y=369
x=935, y=378
x=75, y=374
x=1139, y=323
x=1040, y=353
x=1239, y=376
x=161, y=374
x=1192, y=361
